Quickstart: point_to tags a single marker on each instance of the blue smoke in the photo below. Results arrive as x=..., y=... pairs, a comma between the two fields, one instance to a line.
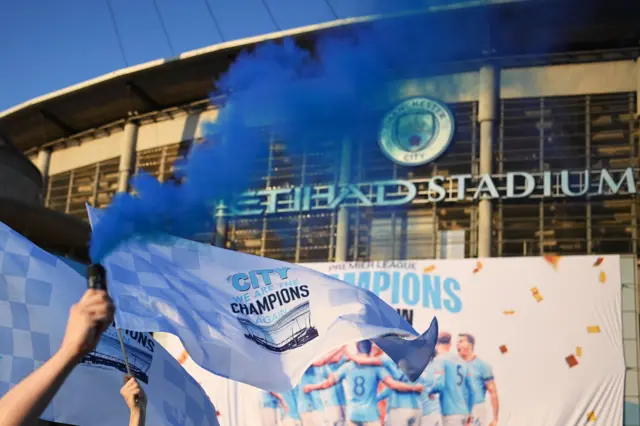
x=277, y=90
x=339, y=89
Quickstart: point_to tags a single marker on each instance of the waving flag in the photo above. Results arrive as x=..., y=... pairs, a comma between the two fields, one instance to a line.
x=37, y=290
x=251, y=319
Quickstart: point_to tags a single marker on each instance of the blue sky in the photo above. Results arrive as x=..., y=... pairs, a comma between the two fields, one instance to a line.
x=46, y=45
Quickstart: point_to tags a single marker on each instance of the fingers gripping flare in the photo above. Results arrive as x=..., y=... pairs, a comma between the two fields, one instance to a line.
x=97, y=281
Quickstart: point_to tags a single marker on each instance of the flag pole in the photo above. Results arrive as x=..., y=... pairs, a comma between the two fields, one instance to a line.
x=124, y=352
x=136, y=399
x=97, y=280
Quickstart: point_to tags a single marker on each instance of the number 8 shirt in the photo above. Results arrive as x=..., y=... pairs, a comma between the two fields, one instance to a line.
x=361, y=387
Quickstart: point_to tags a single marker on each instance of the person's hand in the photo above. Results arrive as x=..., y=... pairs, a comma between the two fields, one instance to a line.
x=88, y=319
x=133, y=394
x=493, y=423
x=307, y=388
x=419, y=388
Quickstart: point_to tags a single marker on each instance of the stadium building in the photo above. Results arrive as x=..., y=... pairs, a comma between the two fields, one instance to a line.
x=542, y=155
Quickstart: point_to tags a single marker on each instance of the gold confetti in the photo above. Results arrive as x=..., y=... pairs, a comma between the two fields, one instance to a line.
x=553, y=260
x=591, y=417
x=603, y=277
x=503, y=349
x=593, y=329
x=599, y=261
x=430, y=268
x=578, y=351
x=536, y=294
x=183, y=357
x=509, y=312
x=572, y=361
x=478, y=267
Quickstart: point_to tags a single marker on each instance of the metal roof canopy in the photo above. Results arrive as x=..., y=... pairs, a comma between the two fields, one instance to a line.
x=53, y=231
x=501, y=31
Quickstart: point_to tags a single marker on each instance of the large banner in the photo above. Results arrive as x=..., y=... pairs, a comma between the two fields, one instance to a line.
x=523, y=342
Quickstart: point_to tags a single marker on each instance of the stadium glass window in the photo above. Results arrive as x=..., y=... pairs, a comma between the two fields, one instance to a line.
x=161, y=162
x=68, y=192
x=295, y=237
x=556, y=133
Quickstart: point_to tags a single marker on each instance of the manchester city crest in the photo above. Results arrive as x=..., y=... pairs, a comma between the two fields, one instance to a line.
x=417, y=131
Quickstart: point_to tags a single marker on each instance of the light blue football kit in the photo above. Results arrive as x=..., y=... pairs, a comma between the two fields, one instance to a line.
x=386, y=393
x=403, y=408
x=333, y=396
x=291, y=399
x=409, y=400
x=481, y=373
x=269, y=405
x=456, y=393
x=310, y=402
x=267, y=400
x=361, y=389
x=432, y=380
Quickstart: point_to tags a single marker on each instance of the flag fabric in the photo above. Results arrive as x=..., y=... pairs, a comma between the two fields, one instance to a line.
x=251, y=319
x=37, y=289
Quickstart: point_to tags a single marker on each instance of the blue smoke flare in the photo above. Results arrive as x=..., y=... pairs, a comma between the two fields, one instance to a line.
x=340, y=89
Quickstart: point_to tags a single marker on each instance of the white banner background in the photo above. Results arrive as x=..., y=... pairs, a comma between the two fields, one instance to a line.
x=495, y=300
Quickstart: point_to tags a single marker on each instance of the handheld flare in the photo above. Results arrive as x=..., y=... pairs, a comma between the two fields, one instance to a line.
x=96, y=277
x=97, y=280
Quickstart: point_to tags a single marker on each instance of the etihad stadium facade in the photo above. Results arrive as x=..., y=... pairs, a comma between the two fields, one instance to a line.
x=541, y=157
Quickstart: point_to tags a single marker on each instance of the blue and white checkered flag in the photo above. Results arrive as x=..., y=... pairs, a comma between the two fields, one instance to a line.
x=254, y=320
x=37, y=289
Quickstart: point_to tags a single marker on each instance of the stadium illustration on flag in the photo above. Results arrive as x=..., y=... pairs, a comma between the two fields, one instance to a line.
x=108, y=353
x=37, y=290
x=291, y=331
x=238, y=314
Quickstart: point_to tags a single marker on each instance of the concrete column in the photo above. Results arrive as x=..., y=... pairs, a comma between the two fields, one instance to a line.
x=342, y=226
x=43, y=161
x=638, y=88
x=127, y=155
x=487, y=116
x=221, y=225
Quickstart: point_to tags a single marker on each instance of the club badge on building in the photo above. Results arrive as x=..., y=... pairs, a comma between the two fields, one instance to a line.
x=416, y=131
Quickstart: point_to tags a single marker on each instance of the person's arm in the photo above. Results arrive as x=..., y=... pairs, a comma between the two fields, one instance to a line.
x=376, y=351
x=88, y=319
x=365, y=360
x=384, y=394
x=332, y=380
x=331, y=357
x=280, y=399
x=401, y=387
x=438, y=378
x=362, y=359
x=495, y=404
x=136, y=400
x=338, y=354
